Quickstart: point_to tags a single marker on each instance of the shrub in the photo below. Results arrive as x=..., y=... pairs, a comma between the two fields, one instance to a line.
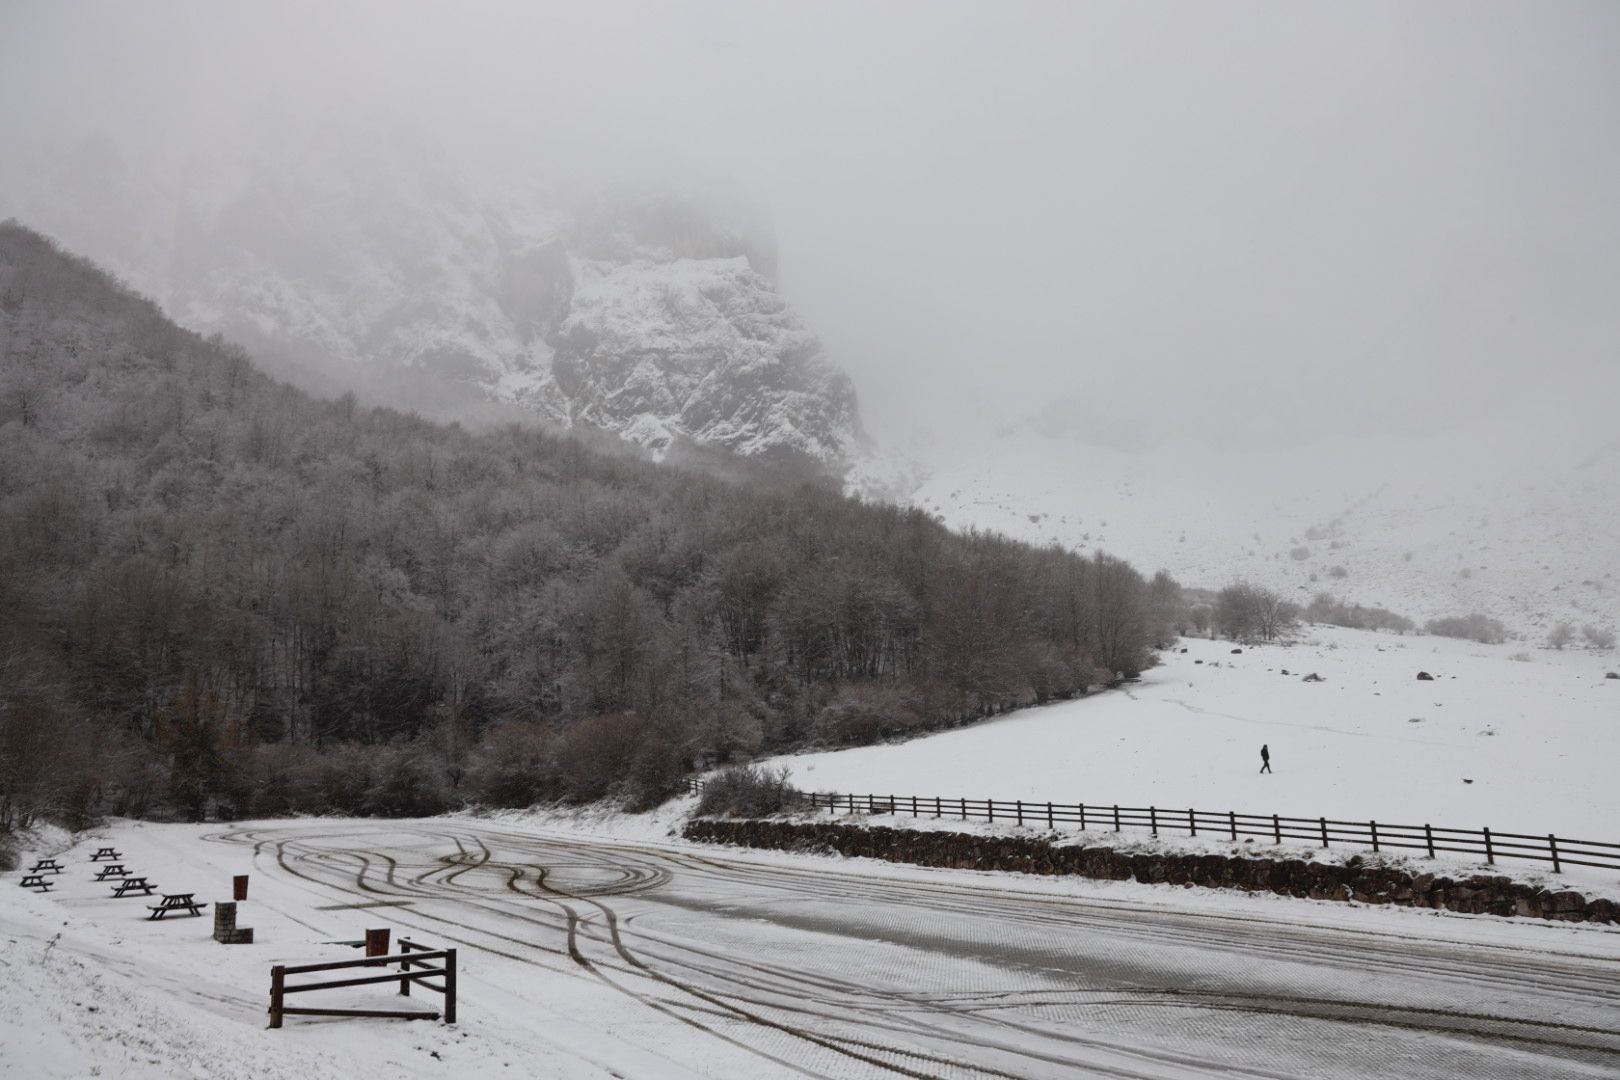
x=1473, y=627
x=748, y=791
x=1326, y=608
x=1560, y=635
x=1597, y=637
x=8, y=854
x=656, y=771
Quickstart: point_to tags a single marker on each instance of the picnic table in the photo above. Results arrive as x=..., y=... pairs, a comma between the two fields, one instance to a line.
x=133, y=885
x=112, y=870
x=35, y=881
x=105, y=853
x=176, y=902
x=46, y=865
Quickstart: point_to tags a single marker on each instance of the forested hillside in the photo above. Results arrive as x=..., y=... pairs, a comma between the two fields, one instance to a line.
x=223, y=596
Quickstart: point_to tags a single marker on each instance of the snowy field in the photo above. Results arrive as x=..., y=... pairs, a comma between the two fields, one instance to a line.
x=1537, y=738
x=602, y=948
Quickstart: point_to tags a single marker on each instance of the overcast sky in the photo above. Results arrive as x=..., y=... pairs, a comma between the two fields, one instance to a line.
x=1353, y=215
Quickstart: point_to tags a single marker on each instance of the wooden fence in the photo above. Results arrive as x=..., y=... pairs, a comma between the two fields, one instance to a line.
x=415, y=964
x=1230, y=825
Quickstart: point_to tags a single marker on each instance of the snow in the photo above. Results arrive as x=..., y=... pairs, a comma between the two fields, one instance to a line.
x=687, y=960
x=1488, y=517
x=1537, y=739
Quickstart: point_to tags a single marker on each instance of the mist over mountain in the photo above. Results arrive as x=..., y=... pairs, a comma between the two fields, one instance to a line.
x=368, y=261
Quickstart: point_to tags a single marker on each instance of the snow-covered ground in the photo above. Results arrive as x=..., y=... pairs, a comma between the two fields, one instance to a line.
x=1524, y=746
x=596, y=946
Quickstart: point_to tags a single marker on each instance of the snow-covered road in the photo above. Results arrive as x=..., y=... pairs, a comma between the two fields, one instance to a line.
x=589, y=957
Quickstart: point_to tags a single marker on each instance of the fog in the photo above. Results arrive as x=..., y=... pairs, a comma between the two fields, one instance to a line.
x=1138, y=220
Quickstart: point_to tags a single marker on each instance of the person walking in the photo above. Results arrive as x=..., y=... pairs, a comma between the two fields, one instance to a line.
x=1265, y=758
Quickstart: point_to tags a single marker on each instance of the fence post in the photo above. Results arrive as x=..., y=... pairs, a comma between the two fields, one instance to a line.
x=1428, y=838
x=404, y=969
x=871, y=804
x=1020, y=804
x=1276, y=830
x=963, y=801
x=914, y=806
x=1082, y=817
x=1153, y=819
x=1192, y=822
x=936, y=807
x=450, y=986
x=1116, y=817
x=278, y=982
x=1231, y=820
x=1324, y=831
x=990, y=809
x=1374, y=826
x=1049, y=823
x=1552, y=846
x=1490, y=856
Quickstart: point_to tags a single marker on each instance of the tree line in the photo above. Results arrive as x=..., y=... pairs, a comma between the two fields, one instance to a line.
x=225, y=596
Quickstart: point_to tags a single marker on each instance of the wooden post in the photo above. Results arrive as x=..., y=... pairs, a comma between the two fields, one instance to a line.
x=450, y=986
x=937, y=810
x=1428, y=837
x=1490, y=856
x=963, y=801
x=1082, y=817
x=1192, y=822
x=1276, y=829
x=1552, y=846
x=1049, y=823
x=1231, y=819
x=990, y=809
x=1324, y=831
x=377, y=942
x=914, y=806
x=1020, y=805
x=404, y=969
x=1153, y=819
x=1116, y=817
x=1373, y=825
x=278, y=982
x=239, y=887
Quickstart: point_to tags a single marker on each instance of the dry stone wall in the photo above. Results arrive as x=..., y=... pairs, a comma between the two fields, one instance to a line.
x=1479, y=894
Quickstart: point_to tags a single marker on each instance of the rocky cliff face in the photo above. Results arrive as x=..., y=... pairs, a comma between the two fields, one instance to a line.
x=374, y=263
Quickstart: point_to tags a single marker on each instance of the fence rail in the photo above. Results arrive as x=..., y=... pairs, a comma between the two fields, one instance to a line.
x=1230, y=825
x=415, y=963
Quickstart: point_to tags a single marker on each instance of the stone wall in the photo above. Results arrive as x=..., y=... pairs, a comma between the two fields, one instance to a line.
x=1352, y=880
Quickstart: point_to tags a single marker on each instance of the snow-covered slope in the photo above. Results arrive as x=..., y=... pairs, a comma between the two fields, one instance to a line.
x=1475, y=520
x=1514, y=745
x=372, y=259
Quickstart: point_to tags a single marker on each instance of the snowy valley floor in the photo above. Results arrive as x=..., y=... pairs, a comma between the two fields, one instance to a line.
x=596, y=946
x=1522, y=746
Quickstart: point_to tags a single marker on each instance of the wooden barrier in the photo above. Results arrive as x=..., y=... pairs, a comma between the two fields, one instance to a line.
x=411, y=960
x=1319, y=831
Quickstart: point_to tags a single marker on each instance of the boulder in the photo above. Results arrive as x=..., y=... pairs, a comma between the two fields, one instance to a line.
x=1424, y=676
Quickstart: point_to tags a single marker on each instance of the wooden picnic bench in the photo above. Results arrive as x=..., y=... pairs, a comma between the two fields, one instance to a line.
x=133, y=885
x=46, y=866
x=35, y=881
x=105, y=853
x=173, y=902
x=112, y=870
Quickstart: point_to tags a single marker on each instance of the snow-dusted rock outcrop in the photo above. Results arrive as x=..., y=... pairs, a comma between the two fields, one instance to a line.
x=702, y=348
x=374, y=263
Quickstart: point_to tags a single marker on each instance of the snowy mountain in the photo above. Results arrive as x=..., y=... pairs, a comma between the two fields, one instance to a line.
x=1477, y=519
x=370, y=261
